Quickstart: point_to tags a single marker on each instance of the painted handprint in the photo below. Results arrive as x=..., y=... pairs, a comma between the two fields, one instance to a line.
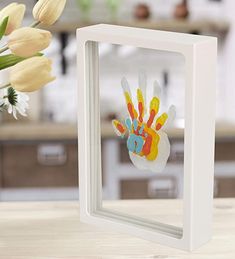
x=148, y=144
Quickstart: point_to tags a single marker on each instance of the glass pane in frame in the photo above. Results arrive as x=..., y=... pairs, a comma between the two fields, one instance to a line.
x=132, y=177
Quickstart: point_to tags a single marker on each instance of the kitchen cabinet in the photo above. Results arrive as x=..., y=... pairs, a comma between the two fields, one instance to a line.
x=45, y=164
x=132, y=185
x=44, y=156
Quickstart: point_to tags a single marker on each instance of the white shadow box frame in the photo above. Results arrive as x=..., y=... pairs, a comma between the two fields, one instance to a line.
x=200, y=53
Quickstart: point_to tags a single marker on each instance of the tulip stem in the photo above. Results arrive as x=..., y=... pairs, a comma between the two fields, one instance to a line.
x=35, y=24
x=4, y=86
x=4, y=48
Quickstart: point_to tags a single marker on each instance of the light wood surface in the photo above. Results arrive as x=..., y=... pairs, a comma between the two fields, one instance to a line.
x=56, y=131
x=49, y=230
x=37, y=131
x=178, y=25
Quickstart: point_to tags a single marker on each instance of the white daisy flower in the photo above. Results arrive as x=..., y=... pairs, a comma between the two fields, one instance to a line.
x=15, y=102
x=2, y=102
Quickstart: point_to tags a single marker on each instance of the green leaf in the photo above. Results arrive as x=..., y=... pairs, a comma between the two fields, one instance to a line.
x=11, y=60
x=3, y=26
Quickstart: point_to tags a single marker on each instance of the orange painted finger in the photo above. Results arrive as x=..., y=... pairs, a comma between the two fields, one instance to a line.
x=141, y=105
x=154, y=108
x=119, y=128
x=161, y=121
x=129, y=103
x=143, y=85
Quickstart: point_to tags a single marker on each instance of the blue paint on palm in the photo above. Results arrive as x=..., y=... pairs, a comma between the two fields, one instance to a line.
x=128, y=123
x=135, y=124
x=134, y=142
x=141, y=130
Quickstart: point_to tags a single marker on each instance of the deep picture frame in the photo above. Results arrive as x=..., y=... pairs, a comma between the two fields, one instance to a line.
x=200, y=54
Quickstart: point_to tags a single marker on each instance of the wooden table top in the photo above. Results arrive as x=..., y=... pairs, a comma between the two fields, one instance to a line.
x=178, y=25
x=52, y=230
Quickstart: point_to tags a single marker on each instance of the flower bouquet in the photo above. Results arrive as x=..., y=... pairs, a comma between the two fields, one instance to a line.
x=26, y=68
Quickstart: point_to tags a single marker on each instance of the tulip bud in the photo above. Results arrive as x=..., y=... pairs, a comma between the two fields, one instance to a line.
x=48, y=11
x=26, y=42
x=15, y=12
x=31, y=74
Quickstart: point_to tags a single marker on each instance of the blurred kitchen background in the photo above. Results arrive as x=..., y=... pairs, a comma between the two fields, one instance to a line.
x=38, y=154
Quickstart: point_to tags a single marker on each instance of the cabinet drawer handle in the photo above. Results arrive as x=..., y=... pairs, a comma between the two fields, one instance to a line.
x=51, y=154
